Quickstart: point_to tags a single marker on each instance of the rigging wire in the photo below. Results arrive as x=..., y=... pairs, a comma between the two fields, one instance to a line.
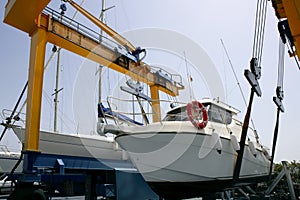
x=234, y=73
x=9, y=119
x=239, y=85
x=189, y=78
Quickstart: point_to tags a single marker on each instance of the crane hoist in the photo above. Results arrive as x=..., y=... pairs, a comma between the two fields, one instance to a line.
x=288, y=13
x=44, y=26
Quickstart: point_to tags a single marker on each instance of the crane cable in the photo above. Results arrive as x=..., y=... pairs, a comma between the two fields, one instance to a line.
x=260, y=22
x=255, y=63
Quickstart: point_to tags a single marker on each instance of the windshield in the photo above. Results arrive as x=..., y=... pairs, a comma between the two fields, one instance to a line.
x=219, y=115
x=180, y=114
x=215, y=114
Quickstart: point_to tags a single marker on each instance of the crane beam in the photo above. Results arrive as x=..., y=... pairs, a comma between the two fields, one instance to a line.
x=290, y=10
x=22, y=14
x=75, y=41
x=155, y=103
x=121, y=40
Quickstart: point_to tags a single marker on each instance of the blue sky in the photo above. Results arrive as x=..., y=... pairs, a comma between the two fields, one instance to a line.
x=204, y=22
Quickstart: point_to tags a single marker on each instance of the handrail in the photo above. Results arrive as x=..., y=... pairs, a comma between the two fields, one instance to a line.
x=84, y=30
x=110, y=100
x=4, y=149
x=6, y=112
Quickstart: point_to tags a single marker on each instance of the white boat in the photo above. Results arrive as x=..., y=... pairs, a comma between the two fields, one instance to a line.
x=179, y=160
x=103, y=148
x=8, y=159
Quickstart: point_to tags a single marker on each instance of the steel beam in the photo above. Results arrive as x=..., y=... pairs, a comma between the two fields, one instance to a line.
x=35, y=87
x=155, y=103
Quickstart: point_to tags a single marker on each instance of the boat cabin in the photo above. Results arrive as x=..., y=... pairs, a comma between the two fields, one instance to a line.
x=218, y=112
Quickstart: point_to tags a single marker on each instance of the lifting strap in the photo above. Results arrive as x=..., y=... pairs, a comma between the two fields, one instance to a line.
x=278, y=100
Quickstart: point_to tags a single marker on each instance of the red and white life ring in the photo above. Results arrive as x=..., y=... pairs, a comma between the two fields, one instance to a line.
x=192, y=108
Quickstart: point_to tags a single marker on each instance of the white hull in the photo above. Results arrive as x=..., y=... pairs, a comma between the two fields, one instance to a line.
x=175, y=153
x=8, y=161
x=90, y=146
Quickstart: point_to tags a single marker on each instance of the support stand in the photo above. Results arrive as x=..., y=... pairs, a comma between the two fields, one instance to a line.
x=284, y=172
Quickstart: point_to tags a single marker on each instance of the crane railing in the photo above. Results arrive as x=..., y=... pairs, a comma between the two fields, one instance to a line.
x=84, y=30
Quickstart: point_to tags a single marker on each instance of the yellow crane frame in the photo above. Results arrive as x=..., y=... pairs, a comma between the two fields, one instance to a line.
x=290, y=10
x=43, y=29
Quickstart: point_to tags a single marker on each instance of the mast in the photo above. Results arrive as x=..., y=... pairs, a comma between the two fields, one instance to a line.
x=102, y=18
x=56, y=91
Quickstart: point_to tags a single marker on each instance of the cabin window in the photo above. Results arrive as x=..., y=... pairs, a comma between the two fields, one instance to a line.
x=219, y=115
x=215, y=114
x=178, y=114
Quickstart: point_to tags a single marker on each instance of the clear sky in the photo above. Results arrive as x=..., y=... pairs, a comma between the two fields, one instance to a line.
x=205, y=23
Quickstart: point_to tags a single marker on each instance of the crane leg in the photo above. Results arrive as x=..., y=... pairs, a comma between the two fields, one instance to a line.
x=35, y=86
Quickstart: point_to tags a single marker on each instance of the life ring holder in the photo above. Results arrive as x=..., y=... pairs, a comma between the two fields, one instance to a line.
x=191, y=107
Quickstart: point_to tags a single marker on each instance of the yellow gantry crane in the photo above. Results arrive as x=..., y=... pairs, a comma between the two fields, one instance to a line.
x=44, y=26
x=289, y=11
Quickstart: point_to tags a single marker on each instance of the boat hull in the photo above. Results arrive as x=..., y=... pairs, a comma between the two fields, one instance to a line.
x=87, y=146
x=8, y=161
x=184, y=190
x=191, y=161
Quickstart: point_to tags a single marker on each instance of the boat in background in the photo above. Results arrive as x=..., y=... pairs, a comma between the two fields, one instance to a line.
x=180, y=159
x=8, y=159
x=89, y=146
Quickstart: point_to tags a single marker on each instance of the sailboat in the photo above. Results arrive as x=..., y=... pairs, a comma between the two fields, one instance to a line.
x=8, y=159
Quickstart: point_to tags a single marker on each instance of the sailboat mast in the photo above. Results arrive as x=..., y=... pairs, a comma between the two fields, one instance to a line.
x=56, y=91
x=102, y=18
x=100, y=66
